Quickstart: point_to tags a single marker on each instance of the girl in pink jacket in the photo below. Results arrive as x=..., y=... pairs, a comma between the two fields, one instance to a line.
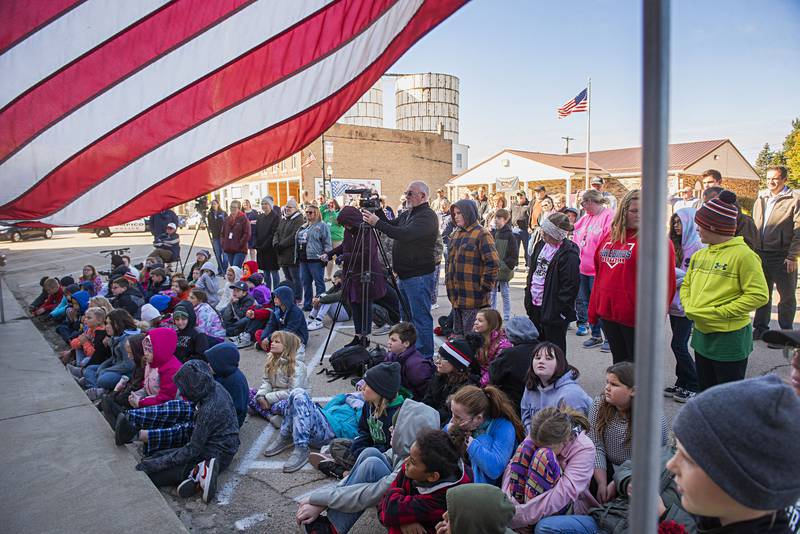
x=159, y=355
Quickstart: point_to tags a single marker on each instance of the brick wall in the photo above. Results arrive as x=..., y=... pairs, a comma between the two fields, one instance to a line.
x=395, y=157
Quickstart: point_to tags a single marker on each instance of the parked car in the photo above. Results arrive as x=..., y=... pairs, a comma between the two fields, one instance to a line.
x=139, y=225
x=16, y=233
x=194, y=220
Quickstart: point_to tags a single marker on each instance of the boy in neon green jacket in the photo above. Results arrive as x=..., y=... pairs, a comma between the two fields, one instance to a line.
x=723, y=285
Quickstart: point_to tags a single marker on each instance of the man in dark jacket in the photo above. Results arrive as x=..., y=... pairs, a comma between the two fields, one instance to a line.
x=266, y=226
x=510, y=369
x=235, y=235
x=413, y=256
x=520, y=218
x=167, y=245
x=215, y=221
x=159, y=222
x=224, y=361
x=215, y=435
x=283, y=243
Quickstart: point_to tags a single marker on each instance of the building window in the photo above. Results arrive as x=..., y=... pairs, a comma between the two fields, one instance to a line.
x=459, y=161
x=274, y=169
x=294, y=162
x=283, y=166
x=236, y=192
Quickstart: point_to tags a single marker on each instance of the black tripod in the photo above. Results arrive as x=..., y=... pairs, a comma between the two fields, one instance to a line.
x=364, y=276
x=203, y=221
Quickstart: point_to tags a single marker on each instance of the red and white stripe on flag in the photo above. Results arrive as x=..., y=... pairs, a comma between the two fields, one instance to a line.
x=157, y=102
x=574, y=105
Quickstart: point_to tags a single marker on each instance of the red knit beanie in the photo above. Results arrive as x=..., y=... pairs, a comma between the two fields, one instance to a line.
x=719, y=214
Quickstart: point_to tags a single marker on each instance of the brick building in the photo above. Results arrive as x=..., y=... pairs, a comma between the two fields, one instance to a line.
x=620, y=168
x=354, y=156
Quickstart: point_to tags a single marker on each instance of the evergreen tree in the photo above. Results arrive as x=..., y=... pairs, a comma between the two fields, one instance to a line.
x=762, y=162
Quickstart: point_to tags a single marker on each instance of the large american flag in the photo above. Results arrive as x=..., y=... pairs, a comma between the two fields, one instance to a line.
x=111, y=110
x=574, y=105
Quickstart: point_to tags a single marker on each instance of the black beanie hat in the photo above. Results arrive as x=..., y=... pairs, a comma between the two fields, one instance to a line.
x=384, y=379
x=66, y=281
x=461, y=350
x=116, y=260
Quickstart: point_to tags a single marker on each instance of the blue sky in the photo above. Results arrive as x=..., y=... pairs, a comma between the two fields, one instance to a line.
x=735, y=71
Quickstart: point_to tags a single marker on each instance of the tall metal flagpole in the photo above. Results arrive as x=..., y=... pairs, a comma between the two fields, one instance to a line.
x=651, y=296
x=588, y=130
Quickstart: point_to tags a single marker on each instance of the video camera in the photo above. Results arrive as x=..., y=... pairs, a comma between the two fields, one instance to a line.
x=368, y=201
x=201, y=205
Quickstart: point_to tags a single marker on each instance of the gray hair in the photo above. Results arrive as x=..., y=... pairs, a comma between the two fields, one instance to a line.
x=595, y=196
x=423, y=187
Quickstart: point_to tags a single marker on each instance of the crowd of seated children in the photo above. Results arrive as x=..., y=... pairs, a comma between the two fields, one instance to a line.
x=284, y=371
x=415, y=369
x=455, y=368
x=489, y=325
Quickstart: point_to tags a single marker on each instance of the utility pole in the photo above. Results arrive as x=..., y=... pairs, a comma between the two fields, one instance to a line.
x=567, y=139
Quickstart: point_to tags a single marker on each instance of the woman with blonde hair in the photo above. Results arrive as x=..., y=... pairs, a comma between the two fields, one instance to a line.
x=613, y=298
x=313, y=241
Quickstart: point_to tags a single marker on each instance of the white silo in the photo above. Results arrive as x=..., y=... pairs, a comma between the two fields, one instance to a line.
x=427, y=103
x=368, y=111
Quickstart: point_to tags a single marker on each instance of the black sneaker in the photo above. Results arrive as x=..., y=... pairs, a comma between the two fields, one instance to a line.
x=331, y=469
x=758, y=334
x=683, y=395
x=670, y=391
x=356, y=341
x=124, y=431
x=321, y=525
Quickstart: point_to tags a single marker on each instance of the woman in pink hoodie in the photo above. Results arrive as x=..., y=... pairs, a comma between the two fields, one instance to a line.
x=159, y=355
x=588, y=231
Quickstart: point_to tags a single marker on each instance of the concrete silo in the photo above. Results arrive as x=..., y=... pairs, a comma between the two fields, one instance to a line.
x=368, y=111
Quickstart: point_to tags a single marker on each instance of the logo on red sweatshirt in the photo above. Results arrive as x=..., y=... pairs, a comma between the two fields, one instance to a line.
x=615, y=256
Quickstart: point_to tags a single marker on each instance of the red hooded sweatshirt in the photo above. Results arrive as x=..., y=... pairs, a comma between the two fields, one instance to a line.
x=164, y=341
x=614, y=292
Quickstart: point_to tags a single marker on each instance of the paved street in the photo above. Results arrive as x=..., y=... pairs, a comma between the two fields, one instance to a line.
x=254, y=494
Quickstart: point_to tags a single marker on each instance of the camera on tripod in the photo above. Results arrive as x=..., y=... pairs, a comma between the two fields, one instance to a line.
x=368, y=201
x=201, y=205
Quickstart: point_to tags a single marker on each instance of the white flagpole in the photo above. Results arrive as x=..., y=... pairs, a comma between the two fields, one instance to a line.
x=588, y=130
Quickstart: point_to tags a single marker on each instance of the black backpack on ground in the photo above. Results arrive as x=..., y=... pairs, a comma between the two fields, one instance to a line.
x=347, y=361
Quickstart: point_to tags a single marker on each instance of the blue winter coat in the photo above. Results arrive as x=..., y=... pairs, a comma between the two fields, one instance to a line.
x=291, y=319
x=490, y=452
x=224, y=361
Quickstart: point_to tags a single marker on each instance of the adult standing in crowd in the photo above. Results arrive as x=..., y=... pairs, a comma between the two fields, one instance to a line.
x=284, y=244
x=235, y=235
x=267, y=258
x=330, y=211
x=710, y=178
x=614, y=294
x=436, y=204
x=777, y=217
x=745, y=225
x=215, y=221
x=588, y=231
x=252, y=216
x=540, y=193
x=313, y=242
x=167, y=245
x=598, y=184
x=483, y=203
x=472, y=266
x=414, y=232
x=684, y=199
x=160, y=220
x=520, y=217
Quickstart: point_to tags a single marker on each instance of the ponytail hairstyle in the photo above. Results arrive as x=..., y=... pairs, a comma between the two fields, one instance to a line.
x=489, y=402
x=553, y=426
x=441, y=451
x=619, y=225
x=495, y=322
x=288, y=358
x=624, y=373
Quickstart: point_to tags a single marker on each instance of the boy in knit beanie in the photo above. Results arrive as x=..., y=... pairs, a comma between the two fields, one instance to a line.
x=723, y=285
x=724, y=472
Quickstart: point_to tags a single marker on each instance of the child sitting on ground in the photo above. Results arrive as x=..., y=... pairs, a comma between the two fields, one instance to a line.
x=489, y=324
x=88, y=347
x=202, y=256
x=158, y=282
x=232, y=276
x=192, y=343
x=208, y=320
x=234, y=317
x=257, y=289
x=418, y=495
x=89, y=274
x=454, y=369
x=208, y=283
x=68, y=286
x=214, y=441
x=283, y=372
x=180, y=287
x=415, y=369
x=224, y=361
x=77, y=303
x=160, y=368
x=286, y=315
x=53, y=294
x=326, y=303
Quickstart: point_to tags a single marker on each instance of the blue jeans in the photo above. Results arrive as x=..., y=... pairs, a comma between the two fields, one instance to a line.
x=567, y=524
x=685, y=370
x=292, y=275
x=311, y=273
x=370, y=467
x=272, y=279
x=582, y=303
x=305, y=422
x=235, y=258
x=220, y=256
x=105, y=379
x=505, y=291
x=416, y=291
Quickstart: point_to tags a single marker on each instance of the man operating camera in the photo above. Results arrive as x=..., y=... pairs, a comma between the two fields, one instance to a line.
x=413, y=258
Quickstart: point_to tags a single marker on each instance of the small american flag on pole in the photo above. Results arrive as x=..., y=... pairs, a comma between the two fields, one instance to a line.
x=574, y=105
x=309, y=160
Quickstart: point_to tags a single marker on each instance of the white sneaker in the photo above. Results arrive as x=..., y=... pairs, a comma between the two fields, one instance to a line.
x=316, y=324
x=435, y=306
x=243, y=341
x=207, y=478
x=381, y=330
x=311, y=318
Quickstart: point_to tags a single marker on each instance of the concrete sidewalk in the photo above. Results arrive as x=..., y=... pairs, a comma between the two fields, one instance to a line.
x=60, y=470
